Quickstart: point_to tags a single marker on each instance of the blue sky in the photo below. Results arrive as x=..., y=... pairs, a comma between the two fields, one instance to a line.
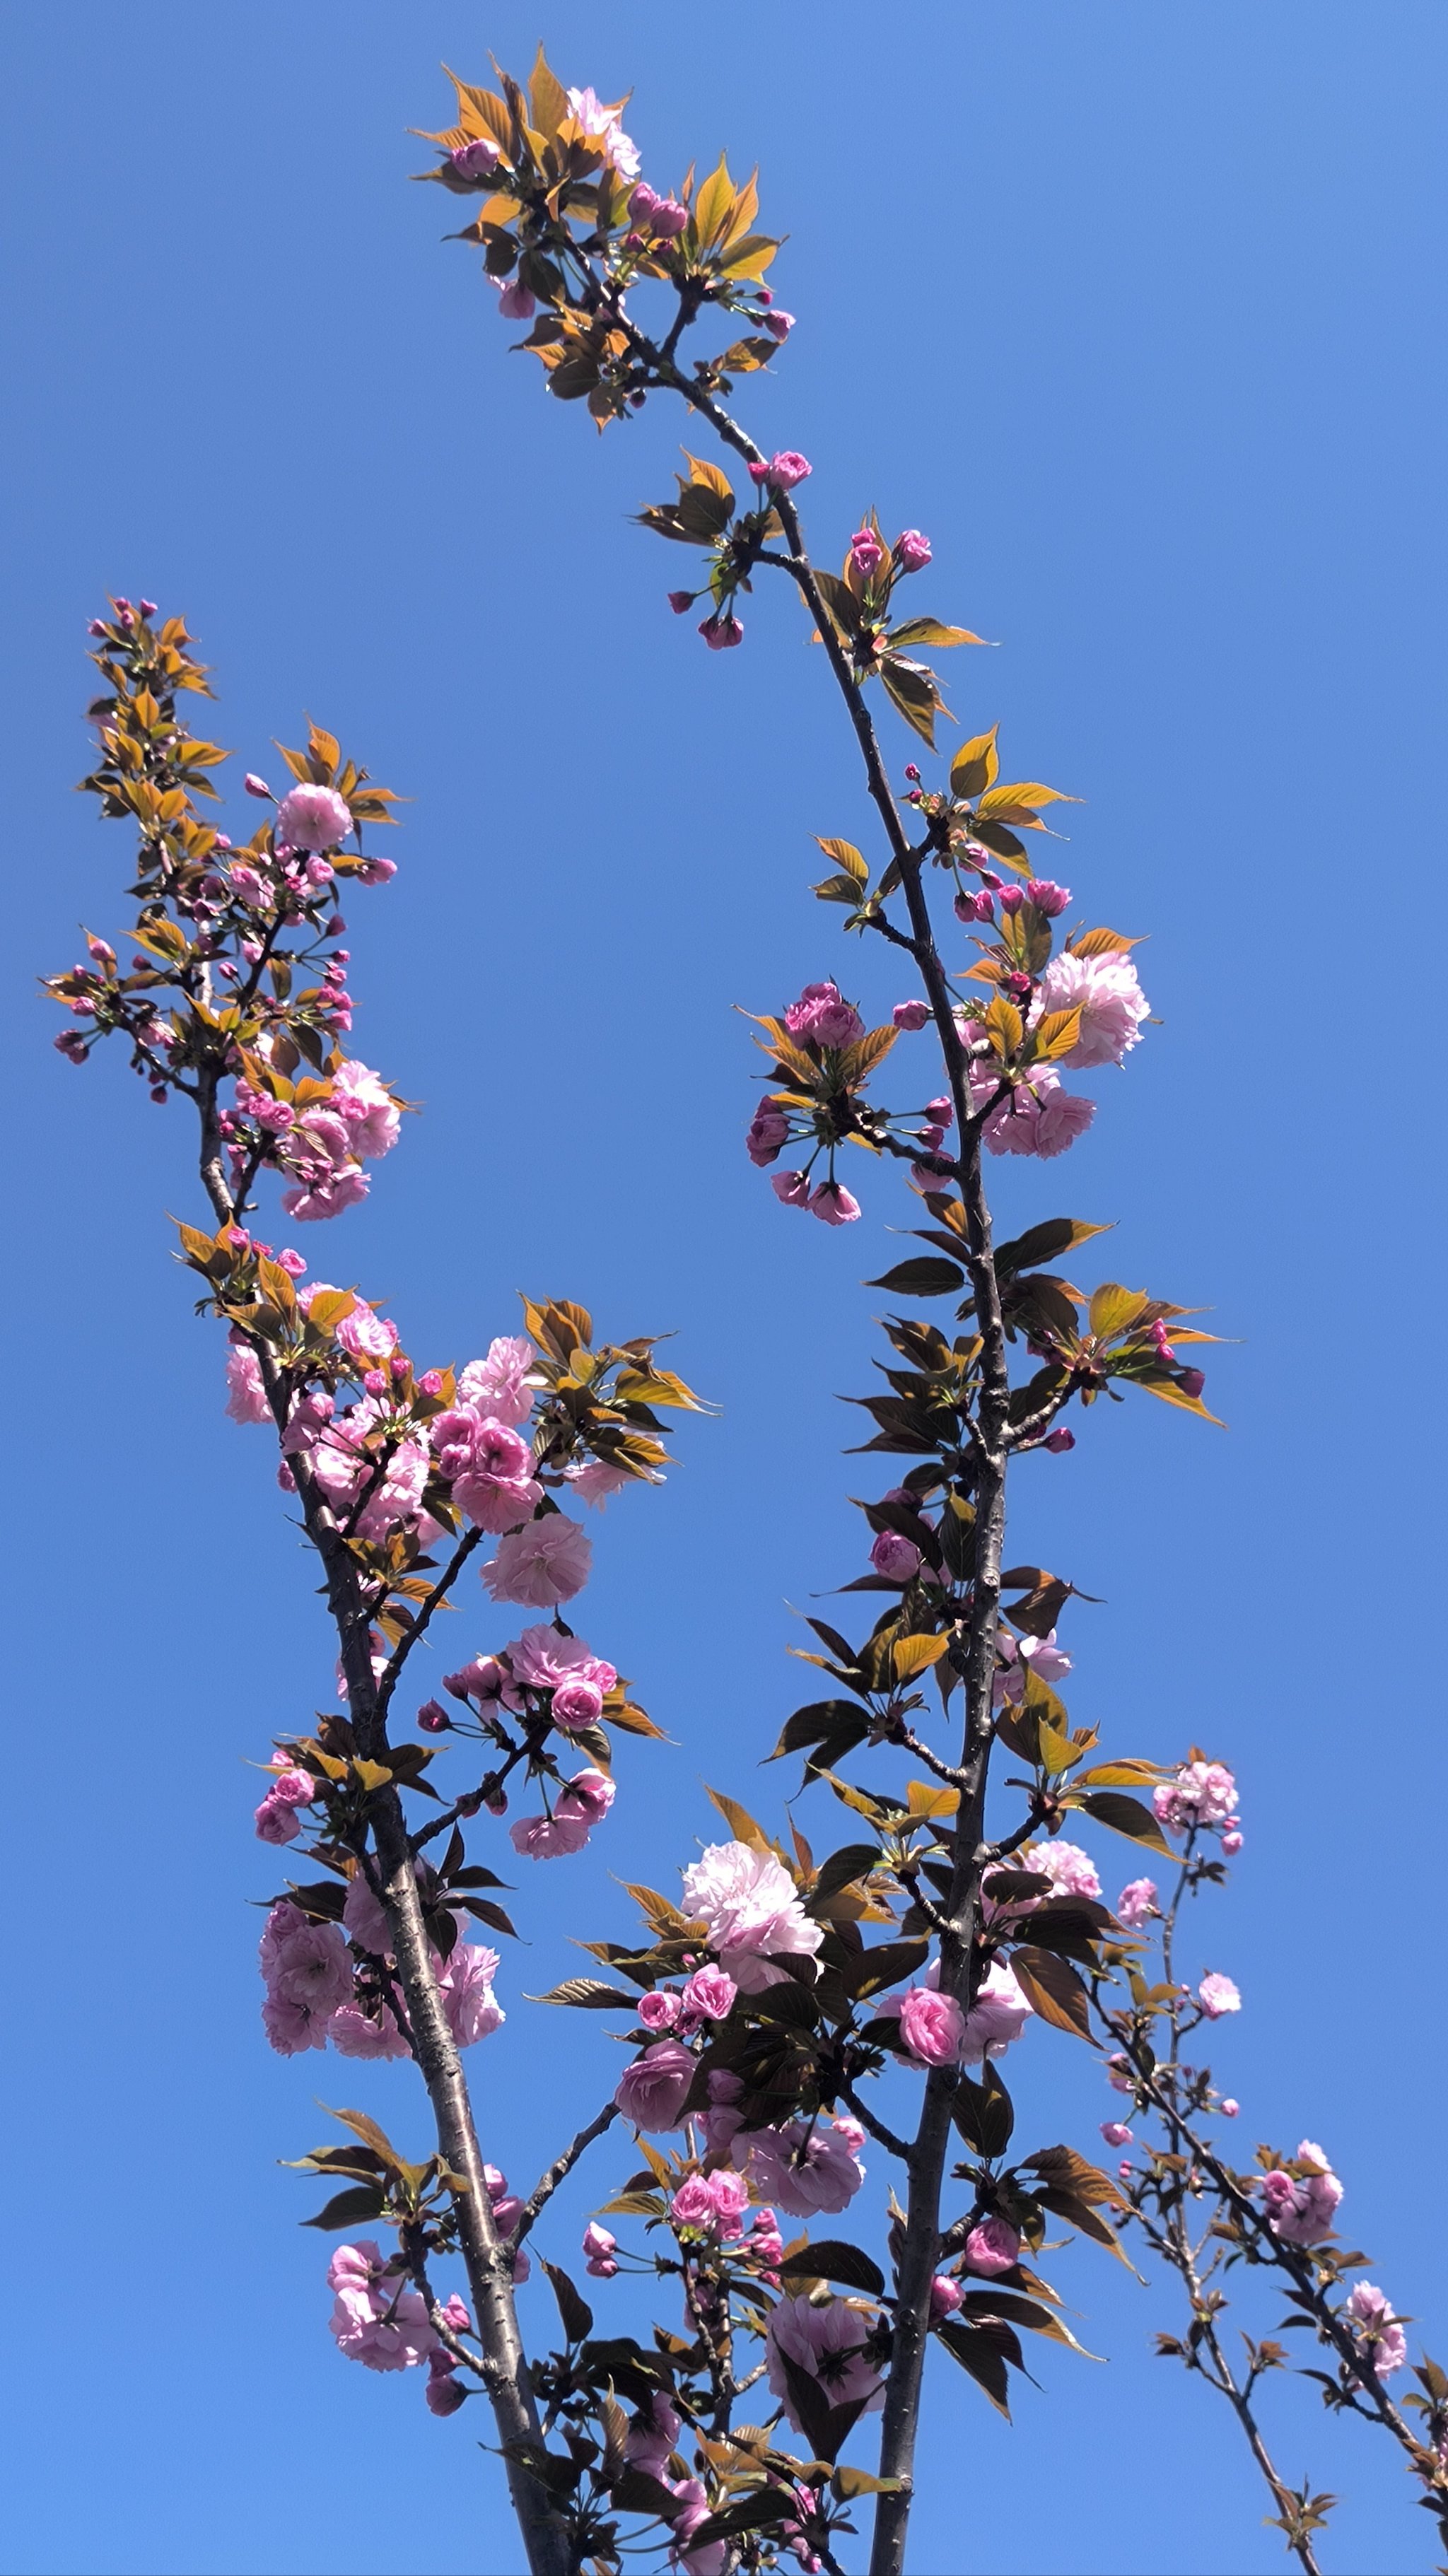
x=1138, y=311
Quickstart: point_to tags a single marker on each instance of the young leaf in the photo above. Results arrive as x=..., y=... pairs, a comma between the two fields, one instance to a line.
x=574, y=2309
x=833, y=2260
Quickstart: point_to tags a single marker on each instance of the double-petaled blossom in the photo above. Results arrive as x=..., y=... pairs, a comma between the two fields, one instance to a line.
x=1035, y=1117
x=651, y=2092
x=356, y=2032
x=1137, y=1903
x=821, y=1013
x=312, y=818
x=1015, y=1656
x=602, y=127
x=751, y=1912
x=543, y=1659
x=896, y=1557
x=828, y=2342
x=1375, y=2325
x=489, y=1467
x=465, y=1983
x=600, y=2250
x=938, y=2032
x=709, y=1995
x=912, y=550
x=1301, y=2207
x=378, y=2317
x=1217, y=1995
x=277, y=1820
x=247, y=1397
x=1201, y=1797
x=806, y=2166
x=1071, y=1871
x=307, y=1972
x=767, y=1136
x=545, y=1562
x=993, y=2246
x=910, y=1016
x=500, y=1385
x=712, y=2203
x=583, y=1803
x=1108, y=995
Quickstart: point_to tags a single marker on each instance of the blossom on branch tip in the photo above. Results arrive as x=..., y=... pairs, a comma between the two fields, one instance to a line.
x=751, y=1913
x=1217, y=1995
x=992, y=2247
x=866, y=553
x=476, y=159
x=545, y=1562
x=833, y=1204
x=1301, y=2208
x=1376, y=2326
x=911, y=1015
x=1137, y=1903
x=651, y=2092
x=912, y=550
x=721, y=632
x=897, y=1558
x=312, y=818
x=823, y=1015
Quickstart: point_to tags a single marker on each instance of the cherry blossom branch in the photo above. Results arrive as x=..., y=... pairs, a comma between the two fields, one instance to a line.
x=882, y=2135
x=560, y=2169
x=387, y=1679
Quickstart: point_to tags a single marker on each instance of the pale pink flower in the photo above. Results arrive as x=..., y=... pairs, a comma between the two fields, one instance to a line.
x=1376, y=2326
x=806, y=2167
x=361, y=1099
x=897, y=1558
x=747, y=1900
x=326, y=1194
x=548, y=1837
x=596, y=1483
x=367, y=1336
x=1217, y=1995
x=546, y=1562
x=353, y=2034
x=589, y=1794
x=910, y=1015
x=1229, y=2108
x=477, y=159
x=660, y=2008
x=833, y=1204
x=544, y=1659
x=823, y=1015
x=829, y=2343
x=651, y=2092
x=516, y=302
x=1137, y=1902
x=694, y=2507
x=1071, y=1871
x=444, y=2392
x=600, y=2248
x=465, y=1981
x=1014, y=1655
x=1202, y=1795
x=715, y=2201
x=293, y=2027
x=710, y=1994
x=653, y=2432
x=498, y=1385
x=992, y=2247
x=247, y=1401
x=1301, y=2208
x=997, y=2017
x=602, y=127
x=912, y=550
x=792, y=1189
x=1110, y=999
x=1116, y=2133
x=307, y=1964
x=312, y=818
x=378, y=2319
x=932, y=2027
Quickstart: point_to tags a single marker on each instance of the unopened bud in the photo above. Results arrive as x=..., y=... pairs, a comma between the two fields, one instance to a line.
x=433, y=1718
x=1058, y=1441
x=257, y=786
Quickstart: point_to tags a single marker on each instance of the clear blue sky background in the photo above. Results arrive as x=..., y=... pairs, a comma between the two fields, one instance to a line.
x=1138, y=311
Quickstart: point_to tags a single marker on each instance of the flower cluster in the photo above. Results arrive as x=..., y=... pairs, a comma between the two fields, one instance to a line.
x=1301, y=2197
x=332, y=1981
x=1201, y=1799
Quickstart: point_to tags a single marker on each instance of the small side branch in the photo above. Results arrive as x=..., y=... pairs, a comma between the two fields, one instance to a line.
x=561, y=2168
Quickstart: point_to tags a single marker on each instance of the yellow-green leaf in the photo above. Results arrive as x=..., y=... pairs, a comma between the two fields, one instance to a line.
x=846, y=856
x=914, y=1655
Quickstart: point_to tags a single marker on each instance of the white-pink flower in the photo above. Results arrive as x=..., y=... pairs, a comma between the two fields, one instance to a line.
x=498, y=1385
x=1217, y=1995
x=1203, y=1794
x=246, y=1401
x=804, y=2167
x=361, y=1099
x=465, y=1981
x=1109, y=997
x=748, y=1902
x=312, y=818
x=1376, y=2326
x=1137, y=1902
x=378, y=2318
x=543, y=1563
x=829, y=2343
x=602, y=127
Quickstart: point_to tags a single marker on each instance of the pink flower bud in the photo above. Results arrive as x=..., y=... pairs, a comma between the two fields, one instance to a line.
x=294, y=1788
x=444, y=2393
x=1047, y=896
x=681, y=601
x=833, y=1204
x=1059, y=1441
x=786, y=468
x=375, y=1381
x=599, y=2248
x=276, y=1821
x=792, y=1189
x=895, y=1557
x=376, y=872
x=912, y=551
x=974, y=907
x=912, y=773
x=910, y=1015
x=257, y=786
x=430, y=1382
x=97, y=626
x=669, y=218
x=643, y=202
x=1191, y=1381
x=1116, y=2133
x=992, y=2248
x=1231, y=1844
x=866, y=556
x=659, y=2010
x=1012, y=899
x=148, y=607
x=433, y=1718
x=945, y=2297
x=1230, y=2108
x=719, y=632
x=477, y=159
x=516, y=304
x=779, y=324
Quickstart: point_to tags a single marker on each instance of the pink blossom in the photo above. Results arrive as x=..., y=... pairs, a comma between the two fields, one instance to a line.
x=486, y=1680
x=715, y=2201
x=710, y=1994
x=361, y=1099
x=545, y=1562
x=786, y=468
x=1229, y=2108
x=1047, y=896
x=660, y=2008
x=1202, y=1795
x=1059, y=1441
x=377, y=2320
x=548, y=1837
x=367, y=1336
x=312, y=818
x=779, y=324
x=1110, y=999
x=465, y=1982
x=354, y=2034
x=517, y=303
x=498, y=1385
x=599, y=2247
x=1231, y=1843
x=256, y=786
x=602, y=128
x=823, y=1015
x=276, y=1821
x=653, y=2432
x=307, y=1963
x=693, y=2508
x=669, y=218
x=720, y=633
x=589, y=1794
x=912, y=550
x=833, y=1204
x=577, y=1704
x=866, y=553
x=444, y=2392
x=910, y=1015
x=1015, y=1655
x=1137, y=1902
x=651, y=2092
x=1116, y=2133
x=1071, y=1871
x=932, y=2027
x=792, y=1189
x=997, y=2017
x=543, y=1658
x=992, y=2247
x=364, y=1918
x=945, y=2297
x=325, y=1194
x=247, y=1401
x=597, y=1483
x=375, y=872
x=748, y=1903
x=1376, y=2326
x=805, y=2166
x=496, y=1487
x=477, y=159
x=768, y=1134
x=1217, y=1995
x=829, y=2343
